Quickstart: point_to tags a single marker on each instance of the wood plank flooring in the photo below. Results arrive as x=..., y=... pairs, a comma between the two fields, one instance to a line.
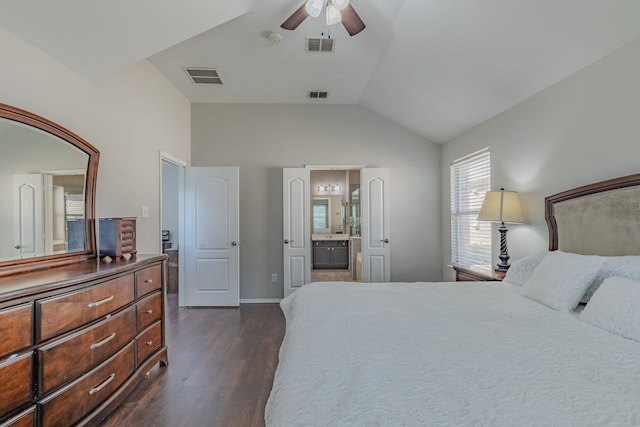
x=221, y=367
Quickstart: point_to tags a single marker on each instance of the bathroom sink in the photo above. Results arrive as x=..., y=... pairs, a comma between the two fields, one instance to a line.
x=329, y=237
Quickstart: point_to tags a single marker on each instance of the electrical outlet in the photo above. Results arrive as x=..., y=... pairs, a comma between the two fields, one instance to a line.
x=274, y=278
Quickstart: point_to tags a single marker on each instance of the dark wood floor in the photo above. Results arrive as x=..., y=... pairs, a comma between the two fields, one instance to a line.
x=221, y=367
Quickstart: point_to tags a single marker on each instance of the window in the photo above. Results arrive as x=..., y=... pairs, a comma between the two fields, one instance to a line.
x=321, y=216
x=470, y=238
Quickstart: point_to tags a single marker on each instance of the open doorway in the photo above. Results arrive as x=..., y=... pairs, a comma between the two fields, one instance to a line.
x=171, y=176
x=335, y=235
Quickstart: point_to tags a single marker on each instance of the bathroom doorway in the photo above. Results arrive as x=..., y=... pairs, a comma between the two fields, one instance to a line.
x=373, y=207
x=335, y=233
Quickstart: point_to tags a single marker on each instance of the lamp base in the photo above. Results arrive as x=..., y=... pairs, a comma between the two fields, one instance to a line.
x=503, y=265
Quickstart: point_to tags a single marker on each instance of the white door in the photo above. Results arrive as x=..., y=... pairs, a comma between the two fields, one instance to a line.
x=28, y=215
x=211, y=237
x=296, y=227
x=374, y=199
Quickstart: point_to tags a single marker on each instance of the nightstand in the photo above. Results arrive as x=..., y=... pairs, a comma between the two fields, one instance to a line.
x=477, y=274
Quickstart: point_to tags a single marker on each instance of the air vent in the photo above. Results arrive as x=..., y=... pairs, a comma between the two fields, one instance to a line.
x=320, y=44
x=318, y=94
x=204, y=76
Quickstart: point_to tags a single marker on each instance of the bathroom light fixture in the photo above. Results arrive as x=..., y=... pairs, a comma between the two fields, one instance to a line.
x=328, y=187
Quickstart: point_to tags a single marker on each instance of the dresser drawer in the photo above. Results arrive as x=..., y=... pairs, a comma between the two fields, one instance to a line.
x=149, y=341
x=25, y=419
x=59, y=363
x=16, y=329
x=148, y=280
x=15, y=386
x=64, y=313
x=149, y=309
x=73, y=402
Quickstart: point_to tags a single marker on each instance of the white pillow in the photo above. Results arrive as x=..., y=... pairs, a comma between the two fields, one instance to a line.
x=521, y=269
x=615, y=266
x=615, y=307
x=561, y=279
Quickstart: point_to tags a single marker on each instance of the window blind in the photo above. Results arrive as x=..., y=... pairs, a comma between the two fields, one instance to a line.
x=470, y=238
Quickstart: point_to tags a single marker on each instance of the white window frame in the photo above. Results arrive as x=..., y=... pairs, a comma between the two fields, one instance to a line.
x=470, y=238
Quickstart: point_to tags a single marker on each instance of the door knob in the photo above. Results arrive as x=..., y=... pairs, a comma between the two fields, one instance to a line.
x=234, y=243
x=385, y=240
x=18, y=246
x=287, y=241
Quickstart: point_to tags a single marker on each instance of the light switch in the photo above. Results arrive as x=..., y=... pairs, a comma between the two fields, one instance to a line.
x=145, y=211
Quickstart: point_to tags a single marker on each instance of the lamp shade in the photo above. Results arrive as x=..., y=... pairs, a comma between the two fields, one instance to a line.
x=501, y=206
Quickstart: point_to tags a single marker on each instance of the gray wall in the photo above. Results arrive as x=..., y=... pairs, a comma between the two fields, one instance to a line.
x=263, y=139
x=581, y=130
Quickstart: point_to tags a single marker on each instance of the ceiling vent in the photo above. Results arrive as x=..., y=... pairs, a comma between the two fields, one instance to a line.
x=320, y=44
x=318, y=94
x=204, y=76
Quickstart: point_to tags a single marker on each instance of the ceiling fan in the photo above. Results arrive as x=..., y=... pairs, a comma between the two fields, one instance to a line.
x=335, y=11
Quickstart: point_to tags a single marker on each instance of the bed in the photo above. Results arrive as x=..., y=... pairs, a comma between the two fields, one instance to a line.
x=556, y=343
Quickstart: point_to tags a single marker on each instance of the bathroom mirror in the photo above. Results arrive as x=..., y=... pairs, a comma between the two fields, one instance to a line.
x=354, y=218
x=47, y=187
x=329, y=214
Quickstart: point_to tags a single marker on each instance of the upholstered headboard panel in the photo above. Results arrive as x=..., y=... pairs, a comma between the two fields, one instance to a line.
x=597, y=219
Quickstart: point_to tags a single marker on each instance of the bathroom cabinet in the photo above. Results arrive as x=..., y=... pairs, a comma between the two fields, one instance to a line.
x=331, y=254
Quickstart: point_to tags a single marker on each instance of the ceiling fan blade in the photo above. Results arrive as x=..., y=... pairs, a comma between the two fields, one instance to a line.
x=351, y=20
x=295, y=19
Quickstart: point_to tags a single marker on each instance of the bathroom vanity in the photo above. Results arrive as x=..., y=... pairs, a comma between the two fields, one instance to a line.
x=331, y=252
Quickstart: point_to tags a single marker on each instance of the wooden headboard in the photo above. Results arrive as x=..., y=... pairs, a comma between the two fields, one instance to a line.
x=596, y=219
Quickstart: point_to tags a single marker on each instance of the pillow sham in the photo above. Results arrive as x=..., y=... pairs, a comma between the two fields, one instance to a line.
x=615, y=307
x=615, y=266
x=521, y=269
x=561, y=279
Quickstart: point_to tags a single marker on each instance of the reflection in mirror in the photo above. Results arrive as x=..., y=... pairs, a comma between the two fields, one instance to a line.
x=47, y=193
x=321, y=217
x=44, y=177
x=354, y=219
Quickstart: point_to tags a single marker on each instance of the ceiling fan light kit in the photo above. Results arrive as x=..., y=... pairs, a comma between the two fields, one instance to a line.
x=314, y=7
x=335, y=12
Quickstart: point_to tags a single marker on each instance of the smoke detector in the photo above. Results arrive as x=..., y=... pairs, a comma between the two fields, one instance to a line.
x=274, y=38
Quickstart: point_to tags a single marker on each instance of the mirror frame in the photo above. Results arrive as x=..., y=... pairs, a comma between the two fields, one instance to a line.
x=46, y=261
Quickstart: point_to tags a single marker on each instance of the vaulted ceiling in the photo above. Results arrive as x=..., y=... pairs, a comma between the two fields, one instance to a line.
x=436, y=67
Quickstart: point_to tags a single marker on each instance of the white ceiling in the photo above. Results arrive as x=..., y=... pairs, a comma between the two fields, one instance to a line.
x=437, y=67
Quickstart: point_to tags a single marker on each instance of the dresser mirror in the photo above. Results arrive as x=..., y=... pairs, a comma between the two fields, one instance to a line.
x=47, y=187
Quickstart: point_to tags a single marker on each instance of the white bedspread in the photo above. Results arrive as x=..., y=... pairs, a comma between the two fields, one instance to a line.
x=446, y=354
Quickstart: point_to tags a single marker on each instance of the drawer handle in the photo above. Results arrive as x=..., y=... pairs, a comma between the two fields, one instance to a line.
x=148, y=342
x=96, y=389
x=103, y=342
x=102, y=301
x=148, y=280
x=149, y=311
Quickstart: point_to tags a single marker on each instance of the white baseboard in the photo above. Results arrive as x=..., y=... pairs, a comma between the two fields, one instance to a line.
x=261, y=301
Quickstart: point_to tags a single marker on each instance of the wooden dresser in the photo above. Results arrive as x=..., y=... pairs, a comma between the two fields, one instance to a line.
x=75, y=340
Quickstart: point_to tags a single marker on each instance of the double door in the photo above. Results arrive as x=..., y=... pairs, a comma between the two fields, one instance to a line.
x=375, y=224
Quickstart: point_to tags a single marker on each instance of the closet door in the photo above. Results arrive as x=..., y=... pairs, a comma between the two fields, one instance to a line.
x=376, y=247
x=296, y=228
